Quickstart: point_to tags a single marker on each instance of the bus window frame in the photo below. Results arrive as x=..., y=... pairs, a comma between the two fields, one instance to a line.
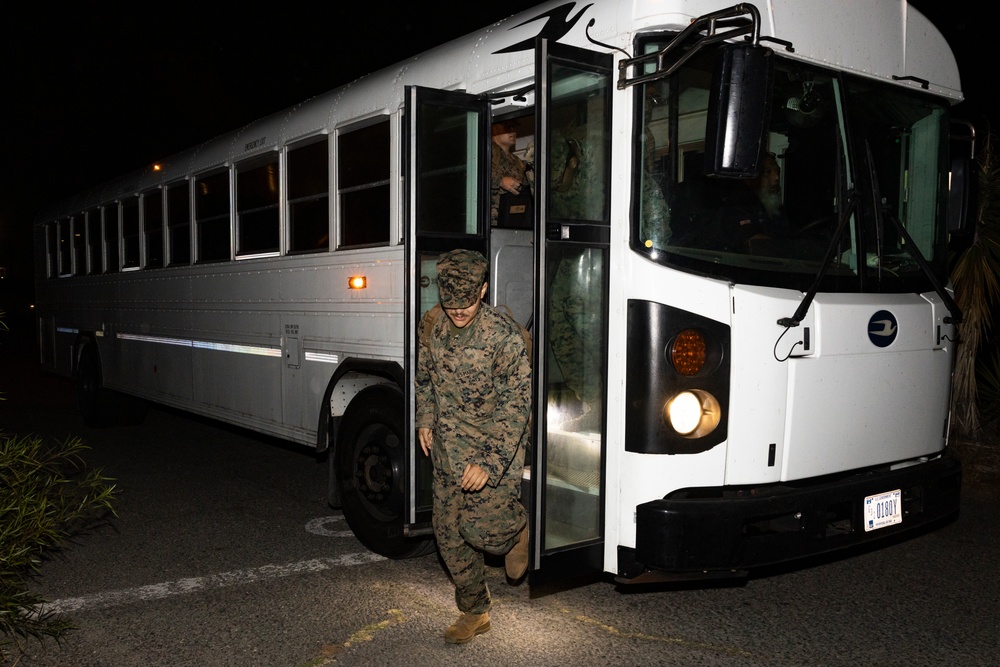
x=188, y=225
x=126, y=206
x=212, y=218
x=110, y=240
x=246, y=168
x=78, y=250
x=367, y=187
x=146, y=236
x=290, y=202
x=95, y=233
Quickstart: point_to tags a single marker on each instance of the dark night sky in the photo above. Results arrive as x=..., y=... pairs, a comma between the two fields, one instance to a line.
x=93, y=90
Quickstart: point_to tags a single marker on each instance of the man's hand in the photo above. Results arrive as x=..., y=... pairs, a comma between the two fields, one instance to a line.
x=510, y=184
x=426, y=437
x=474, y=478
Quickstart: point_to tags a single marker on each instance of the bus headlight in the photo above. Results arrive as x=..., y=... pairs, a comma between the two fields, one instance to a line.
x=693, y=413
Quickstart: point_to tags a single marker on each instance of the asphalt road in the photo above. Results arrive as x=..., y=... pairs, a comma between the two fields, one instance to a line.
x=225, y=553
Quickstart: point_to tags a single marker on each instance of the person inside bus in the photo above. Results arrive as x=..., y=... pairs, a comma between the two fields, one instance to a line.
x=473, y=398
x=510, y=185
x=752, y=214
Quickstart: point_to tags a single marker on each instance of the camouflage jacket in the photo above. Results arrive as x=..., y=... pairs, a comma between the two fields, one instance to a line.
x=473, y=390
x=504, y=164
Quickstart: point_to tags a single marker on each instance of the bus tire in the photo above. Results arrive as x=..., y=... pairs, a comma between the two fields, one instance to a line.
x=370, y=465
x=92, y=398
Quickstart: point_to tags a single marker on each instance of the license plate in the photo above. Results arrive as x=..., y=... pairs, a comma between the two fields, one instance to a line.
x=883, y=509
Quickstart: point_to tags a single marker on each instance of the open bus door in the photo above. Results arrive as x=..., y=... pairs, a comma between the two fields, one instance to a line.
x=573, y=177
x=447, y=206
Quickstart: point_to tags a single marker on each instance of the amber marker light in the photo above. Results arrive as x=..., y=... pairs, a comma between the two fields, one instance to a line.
x=156, y=167
x=357, y=282
x=688, y=352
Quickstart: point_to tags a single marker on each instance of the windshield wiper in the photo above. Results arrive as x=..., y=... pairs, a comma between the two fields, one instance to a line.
x=882, y=206
x=914, y=252
x=852, y=203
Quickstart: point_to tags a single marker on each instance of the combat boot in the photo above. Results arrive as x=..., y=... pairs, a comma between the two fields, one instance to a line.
x=466, y=627
x=516, y=560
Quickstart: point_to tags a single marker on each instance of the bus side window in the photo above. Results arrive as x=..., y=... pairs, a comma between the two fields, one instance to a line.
x=64, y=268
x=309, y=196
x=152, y=228
x=257, y=213
x=363, y=185
x=51, y=250
x=179, y=223
x=130, y=233
x=79, y=244
x=112, y=260
x=211, y=211
x=95, y=260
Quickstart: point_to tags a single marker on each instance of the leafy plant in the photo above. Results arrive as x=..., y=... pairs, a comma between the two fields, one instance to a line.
x=47, y=495
x=977, y=289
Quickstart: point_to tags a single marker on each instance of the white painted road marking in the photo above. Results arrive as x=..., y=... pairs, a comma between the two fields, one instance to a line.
x=195, y=584
x=321, y=526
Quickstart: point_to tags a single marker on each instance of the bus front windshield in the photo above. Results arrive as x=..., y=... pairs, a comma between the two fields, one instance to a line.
x=854, y=173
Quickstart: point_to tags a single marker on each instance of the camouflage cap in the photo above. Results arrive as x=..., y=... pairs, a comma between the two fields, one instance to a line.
x=461, y=274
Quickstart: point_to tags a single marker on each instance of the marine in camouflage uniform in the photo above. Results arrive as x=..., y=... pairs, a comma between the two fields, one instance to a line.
x=505, y=164
x=473, y=397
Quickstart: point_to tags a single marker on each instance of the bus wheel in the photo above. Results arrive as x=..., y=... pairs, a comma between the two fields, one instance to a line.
x=91, y=397
x=369, y=461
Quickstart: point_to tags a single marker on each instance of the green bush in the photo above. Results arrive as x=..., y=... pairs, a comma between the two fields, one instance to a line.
x=47, y=495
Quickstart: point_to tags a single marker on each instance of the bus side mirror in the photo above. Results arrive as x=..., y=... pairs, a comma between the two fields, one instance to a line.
x=739, y=111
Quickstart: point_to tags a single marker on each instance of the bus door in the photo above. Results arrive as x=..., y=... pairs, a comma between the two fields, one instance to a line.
x=572, y=182
x=447, y=207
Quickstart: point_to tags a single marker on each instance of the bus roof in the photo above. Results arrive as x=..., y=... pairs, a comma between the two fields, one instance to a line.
x=886, y=40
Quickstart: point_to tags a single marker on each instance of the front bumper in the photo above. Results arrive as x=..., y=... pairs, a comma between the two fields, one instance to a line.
x=736, y=530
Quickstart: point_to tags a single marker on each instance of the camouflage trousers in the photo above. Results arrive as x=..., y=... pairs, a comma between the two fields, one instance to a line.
x=469, y=524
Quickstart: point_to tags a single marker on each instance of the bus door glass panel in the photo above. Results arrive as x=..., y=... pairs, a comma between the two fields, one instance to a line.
x=447, y=207
x=573, y=183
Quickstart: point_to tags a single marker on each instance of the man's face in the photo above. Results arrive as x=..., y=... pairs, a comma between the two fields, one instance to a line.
x=506, y=139
x=770, y=176
x=461, y=317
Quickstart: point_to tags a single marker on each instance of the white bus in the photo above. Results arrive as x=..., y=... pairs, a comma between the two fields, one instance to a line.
x=721, y=382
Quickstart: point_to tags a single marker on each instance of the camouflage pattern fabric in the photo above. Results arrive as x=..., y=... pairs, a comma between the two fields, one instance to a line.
x=504, y=164
x=575, y=332
x=473, y=390
x=460, y=277
x=578, y=188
